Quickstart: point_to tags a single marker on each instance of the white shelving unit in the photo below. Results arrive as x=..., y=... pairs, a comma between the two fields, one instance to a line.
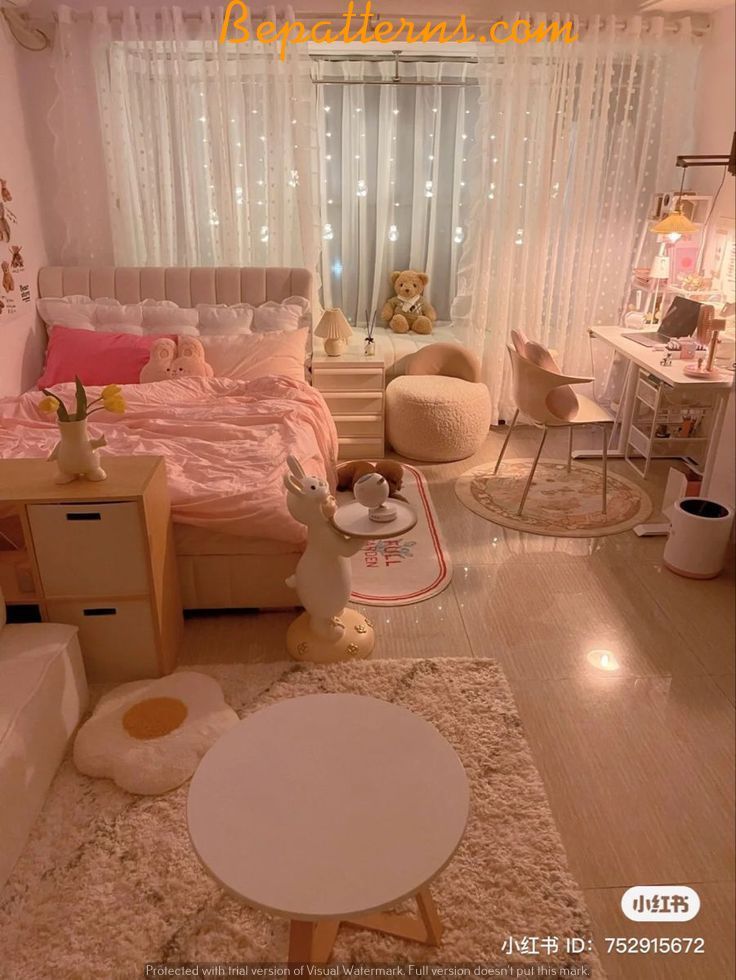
x=665, y=423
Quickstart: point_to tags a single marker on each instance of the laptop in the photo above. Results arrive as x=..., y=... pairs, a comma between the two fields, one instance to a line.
x=680, y=320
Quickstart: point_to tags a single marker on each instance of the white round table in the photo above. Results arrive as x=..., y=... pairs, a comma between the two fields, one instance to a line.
x=327, y=809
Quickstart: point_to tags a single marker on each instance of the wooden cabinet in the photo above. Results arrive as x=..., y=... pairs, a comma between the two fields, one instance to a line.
x=353, y=386
x=99, y=556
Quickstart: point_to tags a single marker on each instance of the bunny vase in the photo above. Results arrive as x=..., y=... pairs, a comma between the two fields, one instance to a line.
x=326, y=631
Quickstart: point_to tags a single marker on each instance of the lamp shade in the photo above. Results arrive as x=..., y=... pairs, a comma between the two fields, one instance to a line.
x=674, y=224
x=335, y=330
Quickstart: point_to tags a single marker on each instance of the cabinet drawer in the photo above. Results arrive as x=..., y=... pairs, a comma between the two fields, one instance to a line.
x=360, y=449
x=348, y=379
x=359, y=425
x=118, y=639
x=354, y=403
x=89, y=549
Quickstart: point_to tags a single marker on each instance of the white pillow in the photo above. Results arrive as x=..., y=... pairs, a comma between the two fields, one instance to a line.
x=165, y=316
x=67, y=311
x=110, y=314
x=223, y=319
x=245, y=357
x=280, y=316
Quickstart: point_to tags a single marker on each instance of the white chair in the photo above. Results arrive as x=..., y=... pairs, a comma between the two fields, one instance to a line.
x=543, y=394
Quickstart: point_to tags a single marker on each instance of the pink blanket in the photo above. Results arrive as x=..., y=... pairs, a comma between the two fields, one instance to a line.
x=225, y=444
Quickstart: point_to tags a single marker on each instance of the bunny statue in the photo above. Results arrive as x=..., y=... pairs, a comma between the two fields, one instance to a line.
x=326, y=631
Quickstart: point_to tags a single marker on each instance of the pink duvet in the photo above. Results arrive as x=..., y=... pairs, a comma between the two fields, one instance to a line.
x=225, y=444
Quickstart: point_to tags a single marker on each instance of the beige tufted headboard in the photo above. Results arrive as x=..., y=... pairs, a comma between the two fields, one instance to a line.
x=185, y=286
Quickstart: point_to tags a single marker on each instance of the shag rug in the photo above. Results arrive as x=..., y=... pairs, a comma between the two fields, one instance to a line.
x=409, y=569
x=109, y=882
x=562, y=504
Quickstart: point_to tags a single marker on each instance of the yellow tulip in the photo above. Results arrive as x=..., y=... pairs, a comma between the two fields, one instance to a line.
x=110, y=390
x=116, y=405
x=48, y=404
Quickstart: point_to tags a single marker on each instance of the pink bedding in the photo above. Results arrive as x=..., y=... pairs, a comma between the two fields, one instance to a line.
x=225, y=444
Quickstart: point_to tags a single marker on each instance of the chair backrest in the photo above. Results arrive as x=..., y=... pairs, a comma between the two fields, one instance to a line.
x=447, y=360
x=541, y=392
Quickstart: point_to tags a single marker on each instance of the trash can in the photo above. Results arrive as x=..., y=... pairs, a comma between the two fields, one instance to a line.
x=698, y=538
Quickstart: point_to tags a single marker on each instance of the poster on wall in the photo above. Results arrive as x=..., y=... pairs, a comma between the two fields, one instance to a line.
x=15, y=290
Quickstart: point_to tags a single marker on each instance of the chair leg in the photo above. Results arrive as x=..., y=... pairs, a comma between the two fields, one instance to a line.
x=531, y=475
x=605, y=468
x=569, y=449
x=506, y=442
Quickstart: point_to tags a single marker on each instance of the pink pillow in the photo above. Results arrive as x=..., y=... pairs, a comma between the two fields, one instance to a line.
x=96, y=358
x=245, y=357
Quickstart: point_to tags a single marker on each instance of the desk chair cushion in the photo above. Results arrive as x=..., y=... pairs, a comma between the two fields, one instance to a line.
x=446, y=360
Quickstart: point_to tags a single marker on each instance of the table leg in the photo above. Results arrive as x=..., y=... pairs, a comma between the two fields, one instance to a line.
x=429, y=914
x=312, y=942
x=425, y=927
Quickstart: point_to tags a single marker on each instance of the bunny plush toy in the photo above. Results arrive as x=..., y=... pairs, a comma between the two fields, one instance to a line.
x=190, y=362
x=162, y=356
x=166, y=361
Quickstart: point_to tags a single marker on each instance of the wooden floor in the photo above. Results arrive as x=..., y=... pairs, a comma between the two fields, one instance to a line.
x=638, y=763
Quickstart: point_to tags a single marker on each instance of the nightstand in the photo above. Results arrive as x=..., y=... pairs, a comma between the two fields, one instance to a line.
x=353, y=386
x=99, y=556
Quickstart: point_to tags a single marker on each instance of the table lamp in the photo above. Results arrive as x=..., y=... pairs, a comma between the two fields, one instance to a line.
x=335, y=330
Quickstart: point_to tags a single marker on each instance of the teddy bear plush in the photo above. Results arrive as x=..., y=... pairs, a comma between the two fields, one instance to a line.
x=349, y=473
x=409, y=309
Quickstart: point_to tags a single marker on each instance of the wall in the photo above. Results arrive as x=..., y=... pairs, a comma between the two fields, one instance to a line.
x=21, y=334
x=714, y=126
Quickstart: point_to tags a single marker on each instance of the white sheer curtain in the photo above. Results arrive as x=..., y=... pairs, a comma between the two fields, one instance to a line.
x=572, y=141
x=209, y=149
x=394, y=193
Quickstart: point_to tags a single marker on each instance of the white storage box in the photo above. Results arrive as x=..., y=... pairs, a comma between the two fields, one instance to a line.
x=43, y=694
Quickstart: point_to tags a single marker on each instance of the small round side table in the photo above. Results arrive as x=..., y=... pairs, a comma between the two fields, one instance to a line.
x=328, y=809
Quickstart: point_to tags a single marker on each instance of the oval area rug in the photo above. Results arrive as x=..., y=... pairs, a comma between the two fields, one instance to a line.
x=412, y=568
x=561, y=504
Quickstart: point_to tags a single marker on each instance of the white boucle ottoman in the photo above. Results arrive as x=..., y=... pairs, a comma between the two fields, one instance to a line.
x=436, y=419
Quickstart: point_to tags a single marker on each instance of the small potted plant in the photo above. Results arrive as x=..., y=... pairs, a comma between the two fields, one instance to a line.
x=76, y=455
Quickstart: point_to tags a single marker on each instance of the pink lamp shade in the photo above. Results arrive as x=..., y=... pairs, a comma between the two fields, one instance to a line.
x=335, y=330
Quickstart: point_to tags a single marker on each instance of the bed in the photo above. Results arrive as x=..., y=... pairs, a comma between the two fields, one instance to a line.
x=225, y=442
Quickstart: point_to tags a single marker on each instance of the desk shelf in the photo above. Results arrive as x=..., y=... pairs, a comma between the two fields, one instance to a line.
x=658, y=412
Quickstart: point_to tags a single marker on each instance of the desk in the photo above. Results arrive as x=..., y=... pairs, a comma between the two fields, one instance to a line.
x=673, y=376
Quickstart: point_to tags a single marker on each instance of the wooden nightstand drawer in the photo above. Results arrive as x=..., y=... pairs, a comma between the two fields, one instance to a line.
x=352, y=426
x=89, y=549
x=118, y=639
x=360, y=449
x=354, y=403
x=348, y=379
